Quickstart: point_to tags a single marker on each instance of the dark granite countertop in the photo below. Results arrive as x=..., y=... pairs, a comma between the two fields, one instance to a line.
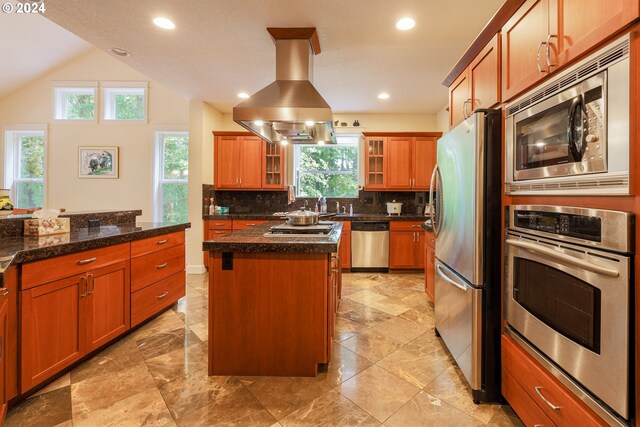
x=252, y=240
x=20, y=249
x=339, y=217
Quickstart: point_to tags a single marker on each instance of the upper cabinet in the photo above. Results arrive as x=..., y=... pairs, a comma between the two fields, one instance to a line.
x=400, y=161
x=544, y=35
x=478, y=86
x=245, y=162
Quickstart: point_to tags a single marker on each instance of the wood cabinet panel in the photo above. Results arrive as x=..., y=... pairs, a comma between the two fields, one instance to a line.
x=273, y=166
x=156, y=297
x=578, y=25
x=4, y=347
x=219, y=224
x=459, y=99
x=521, y=38
x=50, y=269
x=402, y=249
x=51, y=338
x=399, y=161
x=376, y=163
x=155, y=266
x=241, y=224
x=531, y=375
x=429, y=272
x=157, y=243
x=484, y=76
x=420, y=249
x=405, y=225
x=11, y=378
x=250, y=163
x=528, y=411
x=108, y=304
x=345, y=249
x=424, y=161
x=227, y=162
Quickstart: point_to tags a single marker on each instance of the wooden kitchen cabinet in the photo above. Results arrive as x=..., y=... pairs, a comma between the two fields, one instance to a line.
x=398, y=161
x=430, y=264
x=525, y=382
x=66, y=319
x=241, y=224
x=214, y=228
x=406, y=245
x=478, y=86
x=544, y=35
x=345, y=245
x=273, y=166
x=4, y=351
x=238, y=162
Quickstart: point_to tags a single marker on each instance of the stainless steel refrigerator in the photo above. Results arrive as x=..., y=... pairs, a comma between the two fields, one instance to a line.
x=466, y=221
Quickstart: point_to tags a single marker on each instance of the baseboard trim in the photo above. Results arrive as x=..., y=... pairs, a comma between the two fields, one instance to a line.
x=196, y=269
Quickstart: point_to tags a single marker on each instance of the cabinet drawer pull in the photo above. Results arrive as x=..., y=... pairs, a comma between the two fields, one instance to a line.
x=162, y=295
x=162, y=242
x=250, y=225
x=551, y=405
x=433, y=241
x=218, y=224
x=219, y=232
x=4, y=292
x=86, y=261
x=83, y=287
x=161, y=266
x=415, y=225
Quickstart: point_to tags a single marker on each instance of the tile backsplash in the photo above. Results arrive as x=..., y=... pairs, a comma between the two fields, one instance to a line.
x=370, y=202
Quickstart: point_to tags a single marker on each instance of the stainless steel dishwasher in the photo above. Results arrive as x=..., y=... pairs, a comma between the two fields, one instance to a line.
x=370, y=246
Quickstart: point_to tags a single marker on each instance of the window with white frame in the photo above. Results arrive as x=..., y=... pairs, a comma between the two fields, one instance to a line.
x=124, y=101
x=75, y=103
x=327, y=170
x=25, y=163
x=172, y=172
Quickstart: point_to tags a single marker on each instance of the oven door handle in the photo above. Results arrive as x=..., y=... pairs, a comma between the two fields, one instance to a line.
x=442, y=274
x=563, y=257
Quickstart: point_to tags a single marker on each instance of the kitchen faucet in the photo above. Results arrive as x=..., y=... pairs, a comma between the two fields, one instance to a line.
x=344, y=209
x=337, y=207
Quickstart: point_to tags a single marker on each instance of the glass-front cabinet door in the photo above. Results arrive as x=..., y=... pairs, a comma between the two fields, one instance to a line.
x=376, y=165
x=273, y=168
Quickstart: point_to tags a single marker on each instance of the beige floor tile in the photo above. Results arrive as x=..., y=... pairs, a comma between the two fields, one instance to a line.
x=451, y=387
x=146, y=408
x=365, y=297
x=122, y=355
x=425, y=410
x=63, y=381
x=344, y=365
x=239, y=408
x=422, y=313
x=330, y=409
x=103, y=390
x=201, y=330
x=371, y=344
x=347, y=305
x=166, y=342
x=400, y=330
x=390, y=306
x=414, y=298
x=178, y=363
x=416, y=366
x=166, y=321
x=345, y=328
x=378, y=392
x=196, y=390
x=366, y=315
x=505, y=417
x=47, y=409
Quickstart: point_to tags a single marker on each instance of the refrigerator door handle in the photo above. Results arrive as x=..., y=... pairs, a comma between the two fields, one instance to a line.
x=442, y=274
x=436, y=171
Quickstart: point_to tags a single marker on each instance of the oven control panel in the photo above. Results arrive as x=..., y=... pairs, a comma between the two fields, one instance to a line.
x=564, y=224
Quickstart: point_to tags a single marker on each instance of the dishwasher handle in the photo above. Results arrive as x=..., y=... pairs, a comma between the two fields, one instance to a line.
x=370, y=226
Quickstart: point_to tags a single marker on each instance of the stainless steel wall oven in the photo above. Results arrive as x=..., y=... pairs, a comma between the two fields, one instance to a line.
x=572, y=134
x=568, y=298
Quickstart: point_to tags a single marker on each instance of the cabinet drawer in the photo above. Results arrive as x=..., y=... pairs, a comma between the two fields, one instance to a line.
x=406, y=225
x=521, y=402
x=155, y=266
x=214, y=234
x=156, y=243
x=241, y=224
x=219, y=224
x=152, y=299
x=48, y=270
x=538, y=382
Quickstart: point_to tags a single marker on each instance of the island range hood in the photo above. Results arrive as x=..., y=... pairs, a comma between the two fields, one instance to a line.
x=290, y=109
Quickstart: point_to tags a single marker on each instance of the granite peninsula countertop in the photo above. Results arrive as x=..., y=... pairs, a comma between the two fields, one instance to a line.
x=20, y=249
x=253, y=240
x=336, y=217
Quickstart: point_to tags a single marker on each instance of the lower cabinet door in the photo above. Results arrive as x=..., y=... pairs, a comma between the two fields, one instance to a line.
x=107, y=304
x=51, y=338
x=420, y=250
x=402, y=249
x=522, y=403
x=4, y=311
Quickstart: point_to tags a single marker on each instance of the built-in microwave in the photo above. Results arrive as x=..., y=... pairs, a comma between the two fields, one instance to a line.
x=571, y=135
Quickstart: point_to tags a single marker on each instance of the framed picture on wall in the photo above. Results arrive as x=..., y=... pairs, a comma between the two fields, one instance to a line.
x=98, y=162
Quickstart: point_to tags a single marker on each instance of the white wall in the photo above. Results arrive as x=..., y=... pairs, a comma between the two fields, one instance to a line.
x=442, y=120
x=33, y=104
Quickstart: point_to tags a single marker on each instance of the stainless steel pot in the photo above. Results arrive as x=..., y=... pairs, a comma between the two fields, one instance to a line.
x=302, y=217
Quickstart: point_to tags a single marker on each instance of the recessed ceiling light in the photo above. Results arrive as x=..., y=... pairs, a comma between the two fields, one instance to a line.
x=383, y=96
x=405, y=24
x=243, y=95
x=258, y=123
x=320, y=142
x=119, y=52
x=163, y=22
x=309, y=123
x=284, y=142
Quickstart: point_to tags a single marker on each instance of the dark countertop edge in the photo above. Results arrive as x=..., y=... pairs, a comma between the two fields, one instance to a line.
x=427, y=228
x=36, y=254
x=356, y=217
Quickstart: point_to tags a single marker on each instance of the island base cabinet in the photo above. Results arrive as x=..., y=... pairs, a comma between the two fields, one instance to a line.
x=4, y=330
x=268, y=313
x=154, y=298
x=64, y=320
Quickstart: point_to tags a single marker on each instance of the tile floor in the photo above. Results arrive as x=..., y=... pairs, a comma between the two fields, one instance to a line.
x=388, y=369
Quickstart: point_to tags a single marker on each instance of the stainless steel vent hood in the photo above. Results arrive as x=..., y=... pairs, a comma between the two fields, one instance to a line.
x=289, y=109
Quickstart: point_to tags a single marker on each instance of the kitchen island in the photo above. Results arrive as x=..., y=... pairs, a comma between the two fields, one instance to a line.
x=272, y=302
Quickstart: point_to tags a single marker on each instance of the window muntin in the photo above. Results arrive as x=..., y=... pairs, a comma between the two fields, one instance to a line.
x=172, y=172
x=327, y=170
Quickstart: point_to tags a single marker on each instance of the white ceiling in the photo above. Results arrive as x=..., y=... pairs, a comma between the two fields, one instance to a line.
x=221, y=47
x=30, y=46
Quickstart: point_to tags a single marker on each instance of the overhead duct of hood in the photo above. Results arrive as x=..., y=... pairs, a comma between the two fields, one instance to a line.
x=289, y=109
